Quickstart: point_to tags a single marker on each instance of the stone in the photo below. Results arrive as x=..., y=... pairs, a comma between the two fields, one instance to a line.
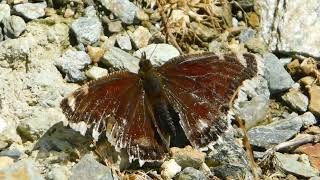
x=89, y=168
x=24, y=169
x=115, y=26
x=254, y=111
x=96, y=72
x=308, y=66
x=294, y=67
x=14, y=26
x=187, y=157
x=294, y=28
x=308, y=119
x=90, y=11
x=124, y=42
x=253, y=20
x=95, y=53
x=246, y=35
x=292, y=164
x=257, y=45
x=4, y=11
x=217, y=47
x=312, y=150
x=5, y=161
x=266, y=136
x=87, y=30
x=170, y=169
x=158, y=53
x=314, y=94
x=15, y=151
x=68, y=13
x=142, y=16
x=123, y=9
x=59, y=173
x=285, y=61
x=190, y=173
x=120, y=59
x=141, y=37
x=278, y=78
x=203, y=32
x=71, y=63
x=307, y=80
x=30, y=11
x=296, y=100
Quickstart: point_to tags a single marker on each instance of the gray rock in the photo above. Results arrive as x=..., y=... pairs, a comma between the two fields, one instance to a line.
x=187, y=157
x=4, y=11
x=141, y=37
x=90, y=11
x=115, y=26
x=246, y=35
x=254, y=111
x=315, y=178
x=96, y=72
x=120, y=59
x=24, y=169
x=308, y=119
x=158, y=53
x=124, y=42
x=257, y=45
x=71, y=63
x=190, y=173
x=285, y=61
x=274, y=133
x=13, y=26
x=89, y=168
x=87, y=30
x=15, y=151
x=59, y=173
x=217, y=47
x=278, y=78
x=296, y=100
x=204, y=32
x=1, y=34
x=291, y=163
x=30, y=11
x=294, y=29
x=123, y=9
x=229, y=157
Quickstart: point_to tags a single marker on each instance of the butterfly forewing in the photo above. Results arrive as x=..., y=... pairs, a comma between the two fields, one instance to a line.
x=201, y=87
x=116, y=105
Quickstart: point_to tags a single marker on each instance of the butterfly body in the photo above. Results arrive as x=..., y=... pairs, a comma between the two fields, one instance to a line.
x=198, y=88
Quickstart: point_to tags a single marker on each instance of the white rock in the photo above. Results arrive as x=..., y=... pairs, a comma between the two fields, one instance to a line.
x=96, y=72
x=170, y=169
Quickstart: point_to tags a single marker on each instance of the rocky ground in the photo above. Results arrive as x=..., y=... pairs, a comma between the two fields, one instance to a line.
x=48, y=49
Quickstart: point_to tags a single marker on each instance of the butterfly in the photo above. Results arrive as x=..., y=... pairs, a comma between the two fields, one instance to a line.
x=134, y=111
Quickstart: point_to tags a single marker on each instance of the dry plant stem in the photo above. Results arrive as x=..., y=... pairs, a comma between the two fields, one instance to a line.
x=246, y=143
x=170, y=38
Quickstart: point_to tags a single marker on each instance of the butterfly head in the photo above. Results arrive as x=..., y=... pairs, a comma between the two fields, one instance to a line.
x=144, y=65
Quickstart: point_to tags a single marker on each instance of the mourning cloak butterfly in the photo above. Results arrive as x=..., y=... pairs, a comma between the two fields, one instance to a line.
x=133, y=110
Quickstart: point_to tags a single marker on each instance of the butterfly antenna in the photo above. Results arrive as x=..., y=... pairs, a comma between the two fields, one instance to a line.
x=153, y=51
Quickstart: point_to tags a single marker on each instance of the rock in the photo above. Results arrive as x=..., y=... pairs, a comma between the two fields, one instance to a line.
x=290, y=163
x=120, y=59
x=217, y=47
x=89, y=168
x=1, y=35
x=266, y=136
x=5, y=161
x=296, y=100
x=253, y=20
x=315, y=178
x=4, y=11
x=141, y=37
x=295, y=22
x=187, y=157
x=142, y=16
x=87, y=30
x=278, y=78
x=68, y=13
x=307, y=81
x=314, y=94
x=109, y=42
x=59, y=173
x=13, y=26
x=123, y=9
x=254, y=111
x=203, y=32
x=190, y=173
x=308, y=66
x=257, y=45
x=229, y=157
x=246, y=35
x=170, y=169
x=158, y=53
x=285, y=61
x=115, y=26
x=8, y=132
x=71, y=63
x=312, y=150
x=24, y=169
x=96, y=72
x=90, y=11
x=95, y=53
x=308, y=119
x=124, y=42
x=294, y=67
x=30, y=11
x=15, y=151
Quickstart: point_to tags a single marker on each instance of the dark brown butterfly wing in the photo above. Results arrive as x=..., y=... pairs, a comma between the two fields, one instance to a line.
x=201, y=87
x=116, y=105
